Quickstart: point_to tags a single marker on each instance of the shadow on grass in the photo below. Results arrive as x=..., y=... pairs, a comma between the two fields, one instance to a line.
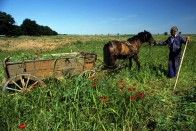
x=3, y=125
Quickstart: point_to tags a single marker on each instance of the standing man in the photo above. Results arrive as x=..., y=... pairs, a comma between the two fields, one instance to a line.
x=174, y=42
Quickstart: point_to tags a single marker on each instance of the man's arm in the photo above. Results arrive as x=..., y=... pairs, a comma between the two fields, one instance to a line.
x=161, y=43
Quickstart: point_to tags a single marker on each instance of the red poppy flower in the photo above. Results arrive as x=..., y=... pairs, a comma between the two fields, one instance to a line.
x=39, y=83
x=37, y=55
x=101, y=98
x=94, y=84
x=32, y=86
x=129, y=89
x=25, y=91
x=132, y=98
x=121, y=88
x=123, y=84
x=22, y=126
x=121, y=80
x=141, y=95
x=134, y=84
x=104, y=99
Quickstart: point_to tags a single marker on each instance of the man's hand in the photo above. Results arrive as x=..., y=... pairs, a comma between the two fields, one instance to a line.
x=188, y=38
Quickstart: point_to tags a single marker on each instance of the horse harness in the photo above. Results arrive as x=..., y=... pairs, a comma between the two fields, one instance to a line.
x=132, y=52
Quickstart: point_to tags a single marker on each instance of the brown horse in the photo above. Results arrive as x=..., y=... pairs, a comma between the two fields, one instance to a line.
x=129, y=49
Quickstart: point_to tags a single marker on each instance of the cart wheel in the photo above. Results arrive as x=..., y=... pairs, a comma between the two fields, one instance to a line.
x=99, y=65
x=88, y=73
x=22, y=83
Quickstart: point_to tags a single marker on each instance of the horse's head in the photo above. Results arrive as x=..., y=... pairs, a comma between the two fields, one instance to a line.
x=147, y=37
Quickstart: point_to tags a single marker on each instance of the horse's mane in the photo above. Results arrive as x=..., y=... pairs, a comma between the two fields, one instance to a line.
x=133, y=38
x=138, y=36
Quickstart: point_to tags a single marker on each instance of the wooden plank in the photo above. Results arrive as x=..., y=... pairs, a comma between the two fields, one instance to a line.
x=14, y=70
x=46, y=68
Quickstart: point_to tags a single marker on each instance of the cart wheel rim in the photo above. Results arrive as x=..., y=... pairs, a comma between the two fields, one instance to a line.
x=22, y=83
x=88, y=73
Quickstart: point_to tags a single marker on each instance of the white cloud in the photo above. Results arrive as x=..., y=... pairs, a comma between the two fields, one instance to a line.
x=118, y=19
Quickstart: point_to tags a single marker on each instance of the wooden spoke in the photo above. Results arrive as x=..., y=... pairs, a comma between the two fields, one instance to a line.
x=22, y=83
x=27, y=82
x=8, y=88
x=16, y=84
x=88, y=73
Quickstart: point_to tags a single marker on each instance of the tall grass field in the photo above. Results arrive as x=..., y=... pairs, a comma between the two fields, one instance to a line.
x=123, y=100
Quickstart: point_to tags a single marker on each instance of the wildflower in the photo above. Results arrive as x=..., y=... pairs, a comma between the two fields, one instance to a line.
x=39, y=83
x=37, y=55
x=25, y=91
x=152, y=91
x=32, y=86
x=141, y=95
x=132, y=98
x=101, y=98
x=22, y=126
x=123, y=84
x=93, y=78
x=121, y=89
x=94, y=84
x=104, y=99
x=129, y=89
x=150, y=81
x=121, y=80
x=134, y=84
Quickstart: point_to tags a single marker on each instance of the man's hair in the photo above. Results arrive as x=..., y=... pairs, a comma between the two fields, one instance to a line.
x=174, y=28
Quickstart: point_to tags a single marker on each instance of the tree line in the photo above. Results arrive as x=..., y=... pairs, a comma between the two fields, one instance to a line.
x=28, y=27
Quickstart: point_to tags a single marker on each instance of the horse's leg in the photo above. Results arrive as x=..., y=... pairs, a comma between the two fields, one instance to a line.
x=109, y=58
x=113, y=60
x=136, y=59
x=130, y=62
x=106, y=55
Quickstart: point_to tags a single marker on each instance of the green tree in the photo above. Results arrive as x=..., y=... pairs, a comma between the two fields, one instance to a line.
x=165, y=33
x=30, y=27
x=6, y=23
x=15, y=31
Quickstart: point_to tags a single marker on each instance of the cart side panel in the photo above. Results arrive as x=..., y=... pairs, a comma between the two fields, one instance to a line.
x=89, y=63
x=51, y=67
x=54, y=67
x=70, y=66
x=15, y=69
x=40, y=69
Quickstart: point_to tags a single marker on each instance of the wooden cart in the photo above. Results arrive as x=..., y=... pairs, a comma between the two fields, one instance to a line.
x=22, y=76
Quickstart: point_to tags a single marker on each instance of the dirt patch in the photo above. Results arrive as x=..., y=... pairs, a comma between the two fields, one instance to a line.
x=13, y=45
x=38, y=43
x=35, y=45
x=45, y=42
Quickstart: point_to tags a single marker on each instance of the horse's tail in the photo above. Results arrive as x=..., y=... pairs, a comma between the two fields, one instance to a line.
x=107, y=55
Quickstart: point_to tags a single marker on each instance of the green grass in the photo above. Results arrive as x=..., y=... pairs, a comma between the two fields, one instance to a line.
x=75, y=104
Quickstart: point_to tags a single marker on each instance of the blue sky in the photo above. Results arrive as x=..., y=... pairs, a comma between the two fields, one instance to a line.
x=105, y=16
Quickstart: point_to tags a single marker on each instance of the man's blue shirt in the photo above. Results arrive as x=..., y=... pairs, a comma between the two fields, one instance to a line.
x=174, y=43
